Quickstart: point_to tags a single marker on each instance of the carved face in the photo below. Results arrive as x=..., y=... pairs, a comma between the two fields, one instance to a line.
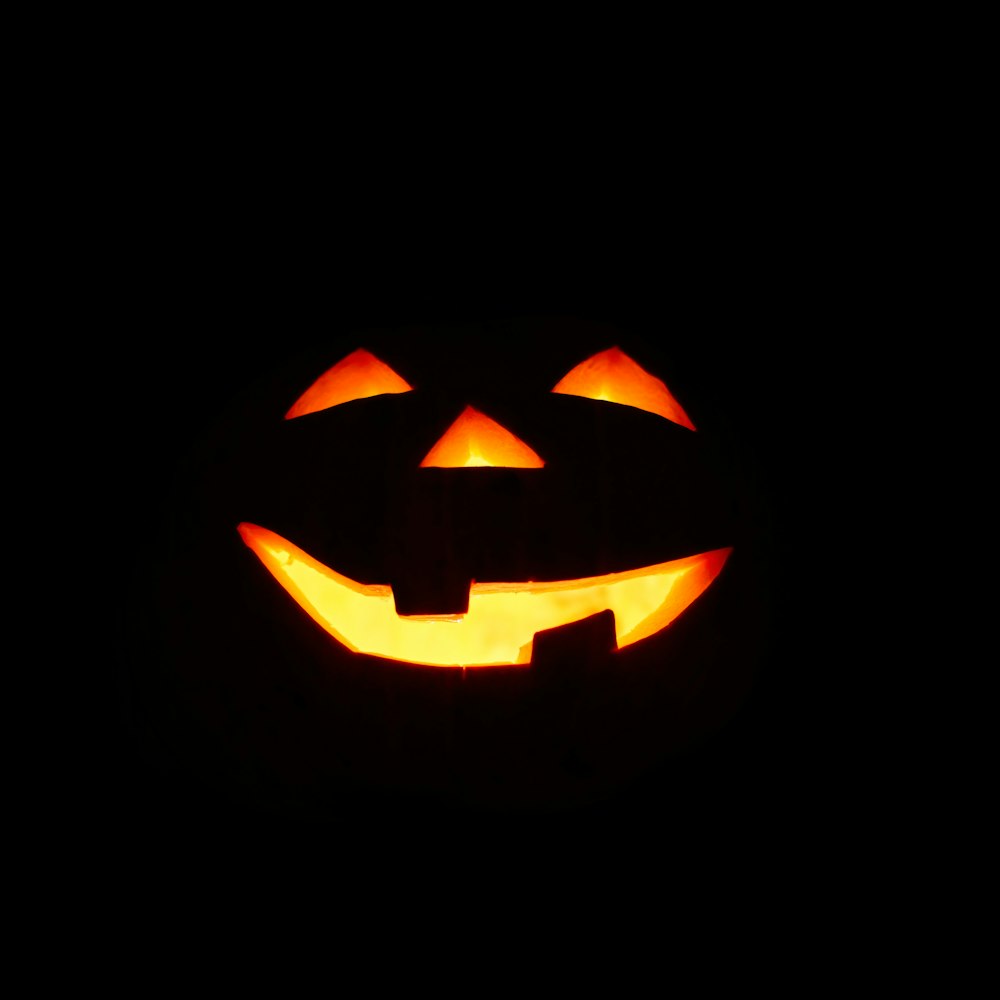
x=497, y=625
x=504, y=565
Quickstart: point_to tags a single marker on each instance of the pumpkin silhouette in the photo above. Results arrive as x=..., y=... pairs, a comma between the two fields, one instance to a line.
x=509, y=564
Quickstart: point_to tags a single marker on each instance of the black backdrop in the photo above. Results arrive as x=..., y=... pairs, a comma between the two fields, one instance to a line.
x=193, y=321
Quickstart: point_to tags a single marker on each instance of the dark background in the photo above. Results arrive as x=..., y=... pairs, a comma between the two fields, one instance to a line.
x=175, y=238
x=199, y=311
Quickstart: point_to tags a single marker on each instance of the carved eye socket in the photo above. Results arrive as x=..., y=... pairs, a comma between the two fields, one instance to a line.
x=614, y=377
x=358, y=376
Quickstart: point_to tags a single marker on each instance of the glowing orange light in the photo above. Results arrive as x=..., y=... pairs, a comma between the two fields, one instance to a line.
x=358, y=376
x=613, y=376
x=500, y=625
x=476, y=440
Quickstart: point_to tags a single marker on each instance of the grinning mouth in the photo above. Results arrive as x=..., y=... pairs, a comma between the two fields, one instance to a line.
x=500, y=625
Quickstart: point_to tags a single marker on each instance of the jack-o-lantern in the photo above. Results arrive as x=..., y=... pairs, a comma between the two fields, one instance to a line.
x=499, y=566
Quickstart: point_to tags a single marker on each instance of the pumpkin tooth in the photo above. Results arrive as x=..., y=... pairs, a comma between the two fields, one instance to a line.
x=443, y=598
x=574, y=644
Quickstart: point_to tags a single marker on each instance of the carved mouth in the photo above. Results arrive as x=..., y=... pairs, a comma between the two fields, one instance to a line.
x=500, y=625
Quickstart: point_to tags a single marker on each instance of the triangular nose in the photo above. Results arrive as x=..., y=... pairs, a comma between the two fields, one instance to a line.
x=476, y=440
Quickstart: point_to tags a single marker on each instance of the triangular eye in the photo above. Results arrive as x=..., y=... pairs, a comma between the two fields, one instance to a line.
x=475, y=439
x=358, y=376
x=614, y=377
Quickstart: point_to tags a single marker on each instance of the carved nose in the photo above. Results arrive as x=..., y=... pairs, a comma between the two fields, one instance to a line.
x=474, y=440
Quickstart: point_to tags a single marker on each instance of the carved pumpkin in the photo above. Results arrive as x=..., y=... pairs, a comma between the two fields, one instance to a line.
x=502, y=566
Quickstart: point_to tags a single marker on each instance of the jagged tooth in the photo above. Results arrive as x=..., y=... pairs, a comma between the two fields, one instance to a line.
x=440, y=599
x=578, y=642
